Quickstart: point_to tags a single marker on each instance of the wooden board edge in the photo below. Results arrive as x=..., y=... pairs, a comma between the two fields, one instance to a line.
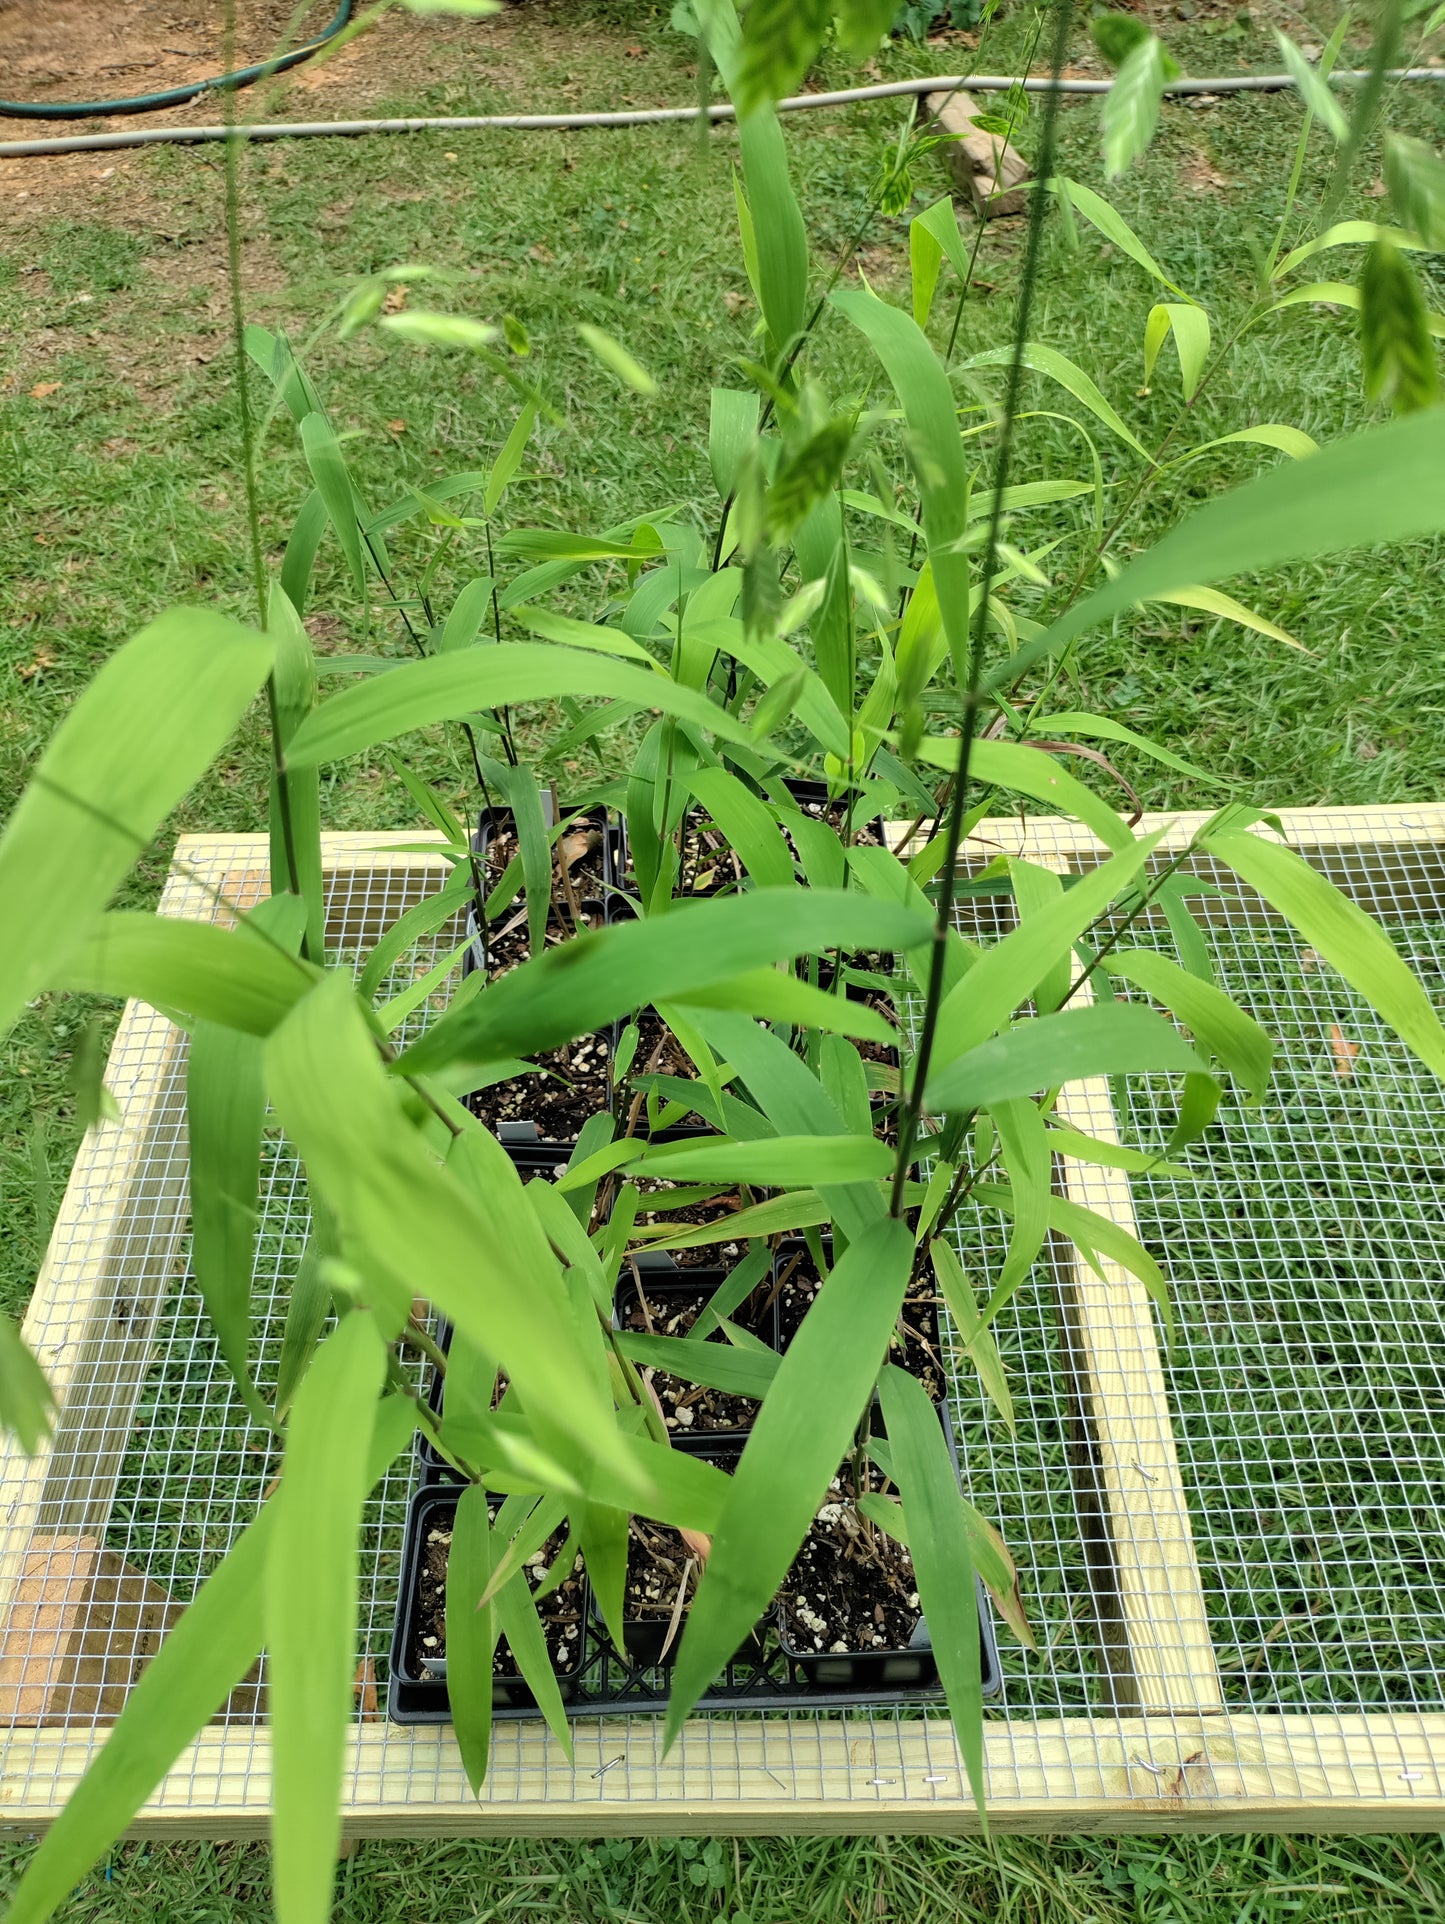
x=1153, y=1618
x=1342, y=826
x=1239, y=1771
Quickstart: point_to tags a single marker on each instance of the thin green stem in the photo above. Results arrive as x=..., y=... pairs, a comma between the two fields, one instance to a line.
x=248, y=459
x=909, y=1120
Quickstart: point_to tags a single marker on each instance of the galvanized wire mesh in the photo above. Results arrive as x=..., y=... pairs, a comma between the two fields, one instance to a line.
x=1305, y=1389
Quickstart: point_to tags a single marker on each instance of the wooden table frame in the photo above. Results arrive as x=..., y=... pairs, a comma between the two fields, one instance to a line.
x=1170, y=1757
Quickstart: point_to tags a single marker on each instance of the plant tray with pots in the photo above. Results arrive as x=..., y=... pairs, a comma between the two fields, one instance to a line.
x=769, y=1672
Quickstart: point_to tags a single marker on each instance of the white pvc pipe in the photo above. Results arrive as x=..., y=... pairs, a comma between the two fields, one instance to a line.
x=133, y=136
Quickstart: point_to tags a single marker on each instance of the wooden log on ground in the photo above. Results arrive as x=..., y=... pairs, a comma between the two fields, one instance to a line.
x=983, y=166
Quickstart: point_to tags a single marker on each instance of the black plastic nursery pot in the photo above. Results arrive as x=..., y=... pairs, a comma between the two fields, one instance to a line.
x=417, y=1674
x=918, y=1346
x=656, y=1298
x=813, y=799
x=886, y=1644
x=546, y=1107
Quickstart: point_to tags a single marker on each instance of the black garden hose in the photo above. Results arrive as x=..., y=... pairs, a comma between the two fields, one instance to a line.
x=174, y=96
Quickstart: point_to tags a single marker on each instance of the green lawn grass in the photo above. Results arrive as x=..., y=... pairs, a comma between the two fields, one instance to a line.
x=123, y=496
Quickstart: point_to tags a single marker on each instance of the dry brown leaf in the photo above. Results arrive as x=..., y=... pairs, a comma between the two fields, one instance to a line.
x=700, y=1545
x=42, y=659
x=1343, y=1050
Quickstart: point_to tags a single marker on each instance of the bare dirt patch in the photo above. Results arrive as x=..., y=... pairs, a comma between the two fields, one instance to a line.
x=74, y=50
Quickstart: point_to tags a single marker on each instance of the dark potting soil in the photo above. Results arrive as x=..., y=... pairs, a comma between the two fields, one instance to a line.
x=561, y=1612
x=796, y=1286
x=507, y=943
x=723, y=1254
x=577, y=854
x=686, y=1407
x=835, y=814
x=916, y=1344
x=577, y=890
x=657, y=1560
x=571, y=1084
x=658, y=1053
x=707, y=865
x=851, y=1587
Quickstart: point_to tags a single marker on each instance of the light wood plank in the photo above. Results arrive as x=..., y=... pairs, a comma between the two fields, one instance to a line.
x=840, y=1778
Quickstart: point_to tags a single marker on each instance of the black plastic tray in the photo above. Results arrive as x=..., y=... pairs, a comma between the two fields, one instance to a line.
x=607, y=1684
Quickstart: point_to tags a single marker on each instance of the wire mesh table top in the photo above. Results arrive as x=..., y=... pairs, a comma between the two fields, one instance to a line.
x=1305, y=1390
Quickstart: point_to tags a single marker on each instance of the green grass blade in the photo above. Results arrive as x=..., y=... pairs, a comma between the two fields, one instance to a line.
x=225, y=1114
x=1105, y=729
x=26, y=1402
x=795, y=1101
x=582, y=984
x=1386, y=484
x=1047, y=360
x=1344, y=935
x=510, y=458
x=784, y=998
x=1023, y=1141
x=443, y=687
x=94, y=803
x=311, y=1589
x=751, y=831
x=307, y=1308
x=520, y=790
x=935, y=449
x=472, y=1633
x=333, y=483
x=1112, y=225
x=1109, y=1039
x=1037, y=888
x=801, y=1434
x=978, y=1339
x=521, y=1626
x=733, y=423
x=294, y=680
x=300, y=557
x=466, y=615
x=780, y=239
x=800, y=1209
x=935, y=1517
x=427, y=916
x=721, y=1366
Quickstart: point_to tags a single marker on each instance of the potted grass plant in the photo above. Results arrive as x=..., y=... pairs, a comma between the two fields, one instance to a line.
x=774, y=641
